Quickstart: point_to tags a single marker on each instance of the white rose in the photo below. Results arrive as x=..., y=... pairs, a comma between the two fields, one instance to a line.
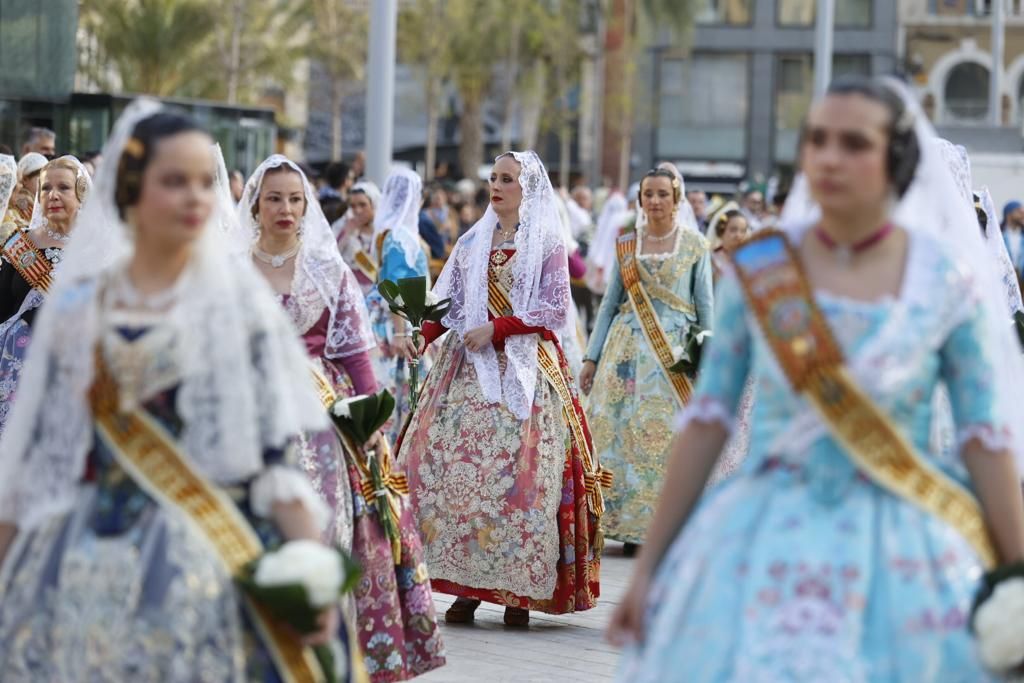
x=677, y=353
x=701, y=336
x=310, y=564
x=997, y=626
x=433, y=299
x=341, y=407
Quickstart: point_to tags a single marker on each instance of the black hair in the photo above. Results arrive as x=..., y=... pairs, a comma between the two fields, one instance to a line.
x=904, y=152
x=138, y=152
x=979, y=210
x=677, y=187
x=723, y=222
x=336, y=174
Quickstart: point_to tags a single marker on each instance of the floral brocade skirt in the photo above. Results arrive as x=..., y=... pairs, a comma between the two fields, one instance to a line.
x=394, y=608
x=501, y=502
x=632, y=410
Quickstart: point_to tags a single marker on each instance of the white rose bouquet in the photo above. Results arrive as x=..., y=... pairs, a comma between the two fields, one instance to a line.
x=410, y=299
x=997, y=621
x=298, y=582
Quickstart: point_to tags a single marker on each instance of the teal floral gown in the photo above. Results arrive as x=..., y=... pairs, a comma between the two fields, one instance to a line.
x=393, y=372
x=632, y=406
x=798, y=568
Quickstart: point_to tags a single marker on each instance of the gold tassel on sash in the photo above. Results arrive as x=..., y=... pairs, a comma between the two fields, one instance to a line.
x=781, y=299
x=625, y=250
x=149, y=455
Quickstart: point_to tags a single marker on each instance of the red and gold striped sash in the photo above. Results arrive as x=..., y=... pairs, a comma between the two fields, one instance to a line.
x=29, y=261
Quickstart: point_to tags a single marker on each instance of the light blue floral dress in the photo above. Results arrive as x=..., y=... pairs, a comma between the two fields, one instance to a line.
x=393, y=372
x=632, y=406
x=799, y=569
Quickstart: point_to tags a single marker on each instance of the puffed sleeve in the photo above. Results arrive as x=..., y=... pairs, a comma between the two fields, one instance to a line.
x=967, y=369
x=725, y=363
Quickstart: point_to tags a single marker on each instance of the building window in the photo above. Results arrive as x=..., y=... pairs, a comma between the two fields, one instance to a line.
x=703, y=107
x=849, y=13
x=795, y=91
x=965, y=95
x=735, y=12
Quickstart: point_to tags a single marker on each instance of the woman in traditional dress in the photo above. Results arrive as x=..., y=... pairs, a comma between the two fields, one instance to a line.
x=727, y=230
x=18, y=213
x=399, y=254
x=8, y=181
x=294, y=248
x=634, y=394
x=27, y=262
x=817, y=562
x=355, y=236
x=498, y=451
x=149, y=455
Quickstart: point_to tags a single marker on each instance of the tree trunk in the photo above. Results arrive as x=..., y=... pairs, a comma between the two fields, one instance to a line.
x=471, y=131
x=433, y=97
x=235, y=50
x=626, y=149
x=337, y=99
x=511, y=80
x=533, y=104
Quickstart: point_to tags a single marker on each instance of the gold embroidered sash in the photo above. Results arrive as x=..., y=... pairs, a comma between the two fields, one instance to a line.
x=625, y=250
x=781, y=299
x=148, y=454
x=394, y=484
x=594, y=478
x=29, y=261
x=366, y=266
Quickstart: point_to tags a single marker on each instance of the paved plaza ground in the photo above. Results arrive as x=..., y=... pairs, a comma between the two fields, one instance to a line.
x=564, y=648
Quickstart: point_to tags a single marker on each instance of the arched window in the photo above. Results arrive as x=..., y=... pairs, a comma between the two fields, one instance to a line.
x=966, y=93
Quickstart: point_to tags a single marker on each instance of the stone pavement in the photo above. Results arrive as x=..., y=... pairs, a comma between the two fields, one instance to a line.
x=562, y=649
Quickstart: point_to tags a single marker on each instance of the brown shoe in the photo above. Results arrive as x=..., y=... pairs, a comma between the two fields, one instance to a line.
x=514, y=616
x=461, y=611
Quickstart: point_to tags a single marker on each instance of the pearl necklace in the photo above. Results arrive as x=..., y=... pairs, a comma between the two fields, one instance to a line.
x=667, y=236
x=276, y=260
x=129, y=296
x=59, y=236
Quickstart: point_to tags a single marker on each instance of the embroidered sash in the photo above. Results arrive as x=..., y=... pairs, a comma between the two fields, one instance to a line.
x=625, y=250
x=394, y=484
x=29, y=261
x=781, y=299
x=148, y=454
x=594, y=478
x=366, y=266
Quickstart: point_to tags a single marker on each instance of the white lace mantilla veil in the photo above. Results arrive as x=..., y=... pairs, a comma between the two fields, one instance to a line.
x=322, y=278
x=38, y=220
x=540, y=293
x=243, y=372
x=372, y=192
x=602, y=251
x=934, y=207
x=1000, y=256
x=8, y=179
x=399, y=211
x=959, y=164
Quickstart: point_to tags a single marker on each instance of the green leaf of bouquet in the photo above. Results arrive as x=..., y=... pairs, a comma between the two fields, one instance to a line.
x=385, y=407
x=414, y=296
x=389, y=290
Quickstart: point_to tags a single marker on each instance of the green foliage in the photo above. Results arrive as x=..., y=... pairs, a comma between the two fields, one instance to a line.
x=155, y=46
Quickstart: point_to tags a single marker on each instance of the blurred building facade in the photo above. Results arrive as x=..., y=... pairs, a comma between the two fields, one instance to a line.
x=728, y=105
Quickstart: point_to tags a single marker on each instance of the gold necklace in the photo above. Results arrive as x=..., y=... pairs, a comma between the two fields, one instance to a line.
x=276, y=260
